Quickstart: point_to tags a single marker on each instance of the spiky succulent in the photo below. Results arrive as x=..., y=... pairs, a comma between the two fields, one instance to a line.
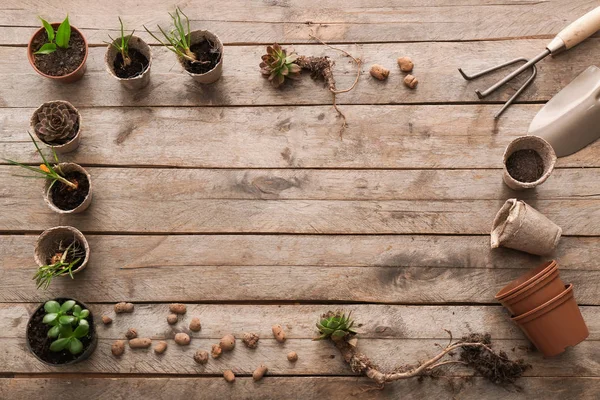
x=56, y=122
x=277, y=65
x=335, y=325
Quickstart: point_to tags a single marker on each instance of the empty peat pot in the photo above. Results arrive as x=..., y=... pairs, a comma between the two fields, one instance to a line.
x=521, y=227
x=136, y=75
x=38, y=341
x=78, y=49
x=64, y=200
x=528, y=162
x=58, y=124
x=48, y=243
x=532, y=289
x=208, y=44
x=555, y=325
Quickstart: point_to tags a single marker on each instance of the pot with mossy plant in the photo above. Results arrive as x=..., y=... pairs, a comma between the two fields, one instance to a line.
x=58, y=51
x=128, y=58
x=61, y=332
x=199, y=52
x=58, y=124
x=60, y=251
x=68, y=187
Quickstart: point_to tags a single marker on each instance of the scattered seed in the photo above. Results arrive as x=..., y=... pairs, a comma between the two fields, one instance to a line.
x=278, y=333
x=140, y=343
x=195, y=325
x=172, y=319
x=177, y=308
x=117, y=348
x=411, y=81
x=229, y=375
x=182, y=339
x=216, y=351
x=259, y=372
x=106, y=320
x=250, y=340
x=292, y=356
x=123, y=308
x=405, y=64
x=227, y=342
x=131, y=333
x=201, y=356
x=160, y=347
x=379, y=72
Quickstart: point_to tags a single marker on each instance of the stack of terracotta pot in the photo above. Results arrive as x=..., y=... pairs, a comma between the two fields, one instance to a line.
x=545, y=309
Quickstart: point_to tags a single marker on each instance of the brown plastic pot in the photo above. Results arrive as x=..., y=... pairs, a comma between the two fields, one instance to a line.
x=65, y=168
x=555, y=325
x=67, y=147
x=137, y=82
x=214, y=74
x=69, y=78
x=536, y=292
x=46, y=244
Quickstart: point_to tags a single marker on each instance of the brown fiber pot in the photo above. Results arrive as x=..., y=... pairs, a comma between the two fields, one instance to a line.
x=69, y=78
x=72, y=144
x=555, y=325
x=540, y=146
x=46, y=245
x=66, y=168
x=537, y=292
x=137, y=82
x=214, y=74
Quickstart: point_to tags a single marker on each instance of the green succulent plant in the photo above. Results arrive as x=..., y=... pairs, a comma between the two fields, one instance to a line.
x=335, y=326
x=69, y=324
x=277, y=65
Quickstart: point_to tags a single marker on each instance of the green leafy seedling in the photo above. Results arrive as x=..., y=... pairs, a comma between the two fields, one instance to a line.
x=179, y=39
x=44, y=275
x=57, y=39
x=122, y=45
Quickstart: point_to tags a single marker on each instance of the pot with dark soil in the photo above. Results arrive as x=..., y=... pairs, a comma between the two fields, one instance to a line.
x=528, y=162
x=58, y=51
x=60, y=251
x=61, y=332
x=128, y=59
x=199, y=52
x=57, y=124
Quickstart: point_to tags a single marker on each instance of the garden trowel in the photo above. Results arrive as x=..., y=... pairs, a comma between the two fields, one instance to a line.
x=571, y=119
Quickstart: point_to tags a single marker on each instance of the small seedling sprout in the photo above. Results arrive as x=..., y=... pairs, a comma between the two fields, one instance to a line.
x=59, y=265
x=122, y=45
x=179, y=39
x=57, y=39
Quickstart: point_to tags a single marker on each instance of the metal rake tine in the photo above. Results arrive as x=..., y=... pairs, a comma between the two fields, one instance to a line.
x=517, y=93
x=492, y=69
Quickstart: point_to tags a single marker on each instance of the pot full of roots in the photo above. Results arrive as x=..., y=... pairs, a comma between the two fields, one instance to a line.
x=59, y=252
x=528, y=162
x=199, y=52
x=58, y=51
x=61, y=332
x=128, y=59
x=57, y=124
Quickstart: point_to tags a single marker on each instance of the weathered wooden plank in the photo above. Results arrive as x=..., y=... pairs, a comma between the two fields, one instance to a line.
x=293, y=21
x=242, y=84
x=314, y=358
x=372, y=321
x=300, y=388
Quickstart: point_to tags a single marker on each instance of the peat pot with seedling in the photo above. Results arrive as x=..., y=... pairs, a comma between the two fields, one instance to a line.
x=68, y=187
x=58, y=124
x=60, y=251
x=128, y=58
x=58, y=51
x=61, y=332
x=199, y=52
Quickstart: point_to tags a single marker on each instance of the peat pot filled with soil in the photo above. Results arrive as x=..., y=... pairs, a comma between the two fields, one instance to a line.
x=58, y=124
x=65, y=199
x=52, y=243
x=61, y=332
x=528, y=162
x=208, y=49
x=133, y=70
x=64, y=65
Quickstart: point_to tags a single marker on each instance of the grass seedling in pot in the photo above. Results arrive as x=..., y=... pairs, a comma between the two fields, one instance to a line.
x=179, y=39
x=63, y=262
x=122, y=45
x=69, y=325
x=60, y=38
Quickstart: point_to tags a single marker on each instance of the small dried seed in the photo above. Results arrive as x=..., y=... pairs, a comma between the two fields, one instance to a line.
x=182, y=339
x=177, y=308
x=259, y=372
x=411, y=81
x=201, y=356
x=379, y=72
x=405, y=64
x=216, y=351
x=229, y=375
x=160, y=347
x=195, y=325
x=140, y=343
x=278, y=333
x=106, y=320
x=123, y=308
x=250, y=340
x=227, y=342
x=172, y=319
x=131, y=333
x=292, y=356
x=117, y=348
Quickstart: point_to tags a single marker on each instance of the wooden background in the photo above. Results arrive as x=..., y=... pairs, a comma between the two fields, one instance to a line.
x=242, y=201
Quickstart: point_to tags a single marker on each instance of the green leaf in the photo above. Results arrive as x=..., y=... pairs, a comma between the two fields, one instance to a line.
x=66, y=330
x=63, y=34
x=67, y=305
x=75, y=346
x=52, y=306
x=49, y=318
x=59, y=344
x=66, y=319
x=84, y=322
x=49, y=30
x=76, y=307
x=84, y=314
x=46, y=49
x=338, y=334
x=53, y=332
x=81, y=331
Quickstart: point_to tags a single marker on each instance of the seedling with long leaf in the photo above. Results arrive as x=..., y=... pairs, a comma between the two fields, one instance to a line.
x=63, y=262
x=179, y=39
x=57, y=39
x=69, y=325
x=122, y=45
x=46, y=170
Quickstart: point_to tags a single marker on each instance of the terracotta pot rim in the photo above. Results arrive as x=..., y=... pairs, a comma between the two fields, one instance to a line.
x=547, y=168
x=538, y=284
x=30, y=55
x=548, y=267
x=546, y=307
x=138, y=77
x=57, y=147
x=76, y=232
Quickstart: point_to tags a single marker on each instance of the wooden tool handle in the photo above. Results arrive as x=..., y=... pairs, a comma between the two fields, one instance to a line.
x=577, y=31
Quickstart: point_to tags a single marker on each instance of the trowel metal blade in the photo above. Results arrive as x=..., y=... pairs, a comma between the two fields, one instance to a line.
x=571, y=119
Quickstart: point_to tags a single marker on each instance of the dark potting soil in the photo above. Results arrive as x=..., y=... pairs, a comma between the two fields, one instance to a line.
x=207, y=57
x=37, y=336
x=65, y=197
x=525, y=165
x=138, y=65
x=62, y=61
